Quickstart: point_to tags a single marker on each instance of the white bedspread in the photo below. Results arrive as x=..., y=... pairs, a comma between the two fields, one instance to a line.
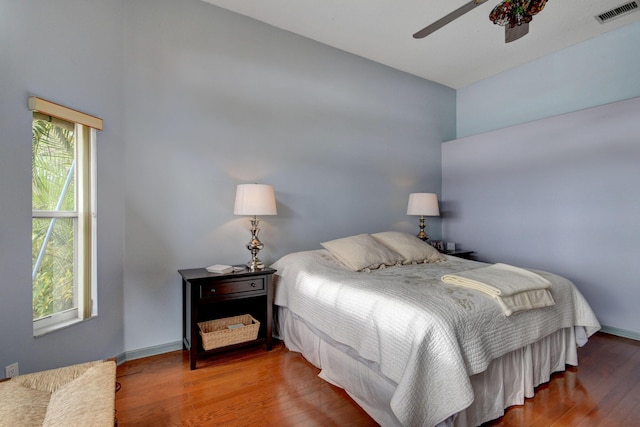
x=424, y=335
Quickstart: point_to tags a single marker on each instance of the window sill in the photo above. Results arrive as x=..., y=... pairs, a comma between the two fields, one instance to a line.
x=57, y=326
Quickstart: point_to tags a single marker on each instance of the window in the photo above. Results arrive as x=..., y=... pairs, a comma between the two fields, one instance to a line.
x=63, y=215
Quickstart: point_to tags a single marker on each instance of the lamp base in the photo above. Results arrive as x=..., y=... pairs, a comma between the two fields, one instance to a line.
x=422, y=235
x=255, y=265
x=254, y=247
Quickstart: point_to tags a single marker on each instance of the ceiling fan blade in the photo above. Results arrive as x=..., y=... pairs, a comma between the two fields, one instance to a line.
x=513, y=34
x=448, y=18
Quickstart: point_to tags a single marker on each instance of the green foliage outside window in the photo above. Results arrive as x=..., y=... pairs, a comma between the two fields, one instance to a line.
x=53, y=242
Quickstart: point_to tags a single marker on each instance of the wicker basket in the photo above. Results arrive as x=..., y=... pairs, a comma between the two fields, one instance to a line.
x=215, y=333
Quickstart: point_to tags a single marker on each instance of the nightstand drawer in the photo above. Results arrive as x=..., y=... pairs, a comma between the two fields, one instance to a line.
x=229, y=288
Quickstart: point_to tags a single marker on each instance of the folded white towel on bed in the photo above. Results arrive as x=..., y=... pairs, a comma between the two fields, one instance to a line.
x=512, y=287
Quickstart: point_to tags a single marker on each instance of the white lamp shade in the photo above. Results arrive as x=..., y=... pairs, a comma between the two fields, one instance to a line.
x=255, y=199
x=423, y=204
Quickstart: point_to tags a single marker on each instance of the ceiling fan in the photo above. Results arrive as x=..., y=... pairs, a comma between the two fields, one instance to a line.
x=514, y=15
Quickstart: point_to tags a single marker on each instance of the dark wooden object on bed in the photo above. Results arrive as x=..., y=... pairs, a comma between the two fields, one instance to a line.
x=208, y=296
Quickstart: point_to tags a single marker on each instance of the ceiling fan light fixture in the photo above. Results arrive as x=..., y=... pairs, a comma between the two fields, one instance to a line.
x=516, y=12
x=514, y=15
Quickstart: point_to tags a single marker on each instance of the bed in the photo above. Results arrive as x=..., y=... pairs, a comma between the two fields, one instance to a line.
x=412, y=350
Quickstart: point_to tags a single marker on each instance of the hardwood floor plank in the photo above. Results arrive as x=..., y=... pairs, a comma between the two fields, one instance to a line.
x=252, y=387
x=595, y=397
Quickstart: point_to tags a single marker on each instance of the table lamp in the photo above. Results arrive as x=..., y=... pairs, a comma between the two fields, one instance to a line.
x=423, y=204
x=255, y=199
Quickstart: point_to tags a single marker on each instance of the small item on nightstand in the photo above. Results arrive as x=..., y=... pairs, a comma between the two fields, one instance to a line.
x=219, y=268
x=451, y=246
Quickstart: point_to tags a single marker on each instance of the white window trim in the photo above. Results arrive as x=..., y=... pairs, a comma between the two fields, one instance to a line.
x=87, y=305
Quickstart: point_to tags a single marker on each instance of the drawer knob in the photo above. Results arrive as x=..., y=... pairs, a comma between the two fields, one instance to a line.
x=253, y=285
x=213, y=290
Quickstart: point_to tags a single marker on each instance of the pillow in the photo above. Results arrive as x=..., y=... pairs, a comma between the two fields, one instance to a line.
x=21, y=405
x=412, y=249
x=88, y=400
x=361, y=252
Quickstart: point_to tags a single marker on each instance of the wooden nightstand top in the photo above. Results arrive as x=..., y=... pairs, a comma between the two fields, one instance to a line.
x=201, y=273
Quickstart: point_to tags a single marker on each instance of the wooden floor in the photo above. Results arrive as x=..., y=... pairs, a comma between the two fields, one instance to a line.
x=254, y=387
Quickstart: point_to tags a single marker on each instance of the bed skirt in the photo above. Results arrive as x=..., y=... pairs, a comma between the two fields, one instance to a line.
x=507, y=381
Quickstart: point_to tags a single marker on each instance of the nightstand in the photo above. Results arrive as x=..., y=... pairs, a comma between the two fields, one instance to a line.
x=208, y=296
x=460, y=254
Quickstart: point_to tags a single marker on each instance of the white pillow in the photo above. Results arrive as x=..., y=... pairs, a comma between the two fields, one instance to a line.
x=410, y=247
x=361, y=252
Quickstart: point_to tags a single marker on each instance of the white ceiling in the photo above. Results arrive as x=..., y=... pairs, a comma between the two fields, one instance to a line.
x=465, y=51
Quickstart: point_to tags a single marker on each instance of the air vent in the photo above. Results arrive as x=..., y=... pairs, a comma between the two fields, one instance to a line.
x=619, y=11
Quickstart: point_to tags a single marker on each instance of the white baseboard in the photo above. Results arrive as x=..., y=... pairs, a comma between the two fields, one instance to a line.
x=620, y=332
x=148, y=351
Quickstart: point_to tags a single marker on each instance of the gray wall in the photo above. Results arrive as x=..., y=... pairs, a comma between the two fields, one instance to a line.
x=197, y=100
x=214, y=99
x=559, y=193
x=79, y=65
x=599, y=71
